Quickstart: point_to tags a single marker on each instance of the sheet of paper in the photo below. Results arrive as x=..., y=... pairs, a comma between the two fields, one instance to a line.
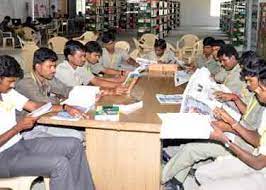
x=181, y=77
x=82, y=96
x=41, y=110
x=169, y=99
x=185, y=126
x=129, y=108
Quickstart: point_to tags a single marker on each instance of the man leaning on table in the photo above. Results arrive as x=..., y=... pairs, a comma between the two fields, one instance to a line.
x=62, y=159
x=40, y=85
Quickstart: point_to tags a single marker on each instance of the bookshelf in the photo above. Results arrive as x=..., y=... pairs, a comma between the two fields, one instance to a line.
x=262, y=31
x=233, y=20
x=93, y=14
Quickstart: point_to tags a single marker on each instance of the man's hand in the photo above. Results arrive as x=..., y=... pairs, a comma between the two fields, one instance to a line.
x=120, y=90
x=218, y=135
x=76, y=112
x=220, y=113
x=222, y=96
x=25, y=123
x=225, y=127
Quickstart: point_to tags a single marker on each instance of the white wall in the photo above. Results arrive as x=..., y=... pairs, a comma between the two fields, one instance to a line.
x=197, y=13
x=14, y=8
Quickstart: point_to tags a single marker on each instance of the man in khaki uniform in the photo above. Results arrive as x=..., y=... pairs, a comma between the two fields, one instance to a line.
x=244, y=170
x=179, y=165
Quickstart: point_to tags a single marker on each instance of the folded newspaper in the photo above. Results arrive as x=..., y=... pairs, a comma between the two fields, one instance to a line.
x=169, y=99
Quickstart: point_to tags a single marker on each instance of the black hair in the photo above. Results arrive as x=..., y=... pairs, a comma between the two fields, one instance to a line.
x=43, y=54
x=7, y=18
x=161, y=43
x=228, y=51
x=9, y=67
x=218, y=43
x=208, y=41
x=71, y=47
x=262, y=73
x=108, y=37
x=250, y=63
x=93, y=47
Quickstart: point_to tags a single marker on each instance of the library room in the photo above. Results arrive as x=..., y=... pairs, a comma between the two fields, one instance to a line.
x=132, y=94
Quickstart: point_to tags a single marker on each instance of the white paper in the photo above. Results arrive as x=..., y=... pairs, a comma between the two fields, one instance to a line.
x=185, y=126
x=181, y=77
x=41, y=110
x=83, y=96
x=129, y=108
x=145, y=62
x=169, y=99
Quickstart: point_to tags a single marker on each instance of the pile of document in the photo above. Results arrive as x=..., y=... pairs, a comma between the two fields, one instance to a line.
x=169, y=99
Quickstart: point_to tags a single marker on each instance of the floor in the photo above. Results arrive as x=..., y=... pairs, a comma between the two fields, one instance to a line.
x=176, y=34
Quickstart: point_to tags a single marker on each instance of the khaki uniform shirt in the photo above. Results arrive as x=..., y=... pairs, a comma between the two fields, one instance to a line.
x=73, y=77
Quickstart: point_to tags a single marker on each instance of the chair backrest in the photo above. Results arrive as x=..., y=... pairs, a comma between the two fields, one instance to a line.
x=148, y=39
x=198, y=48
x=26, y=54
x=136, y=42
x=57, y=44
x=187, y=40
x=170, y=47
x=28, y=33
x=123, y=45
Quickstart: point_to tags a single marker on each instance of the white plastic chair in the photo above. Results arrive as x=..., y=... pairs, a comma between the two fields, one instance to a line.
x=21, y=183
x=87, y=36
x=57, y=44
x=123, y=45
x=185, y=45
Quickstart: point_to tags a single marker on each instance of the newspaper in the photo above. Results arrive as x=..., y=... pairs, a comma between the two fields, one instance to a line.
x=169, y=99
x=198, y=96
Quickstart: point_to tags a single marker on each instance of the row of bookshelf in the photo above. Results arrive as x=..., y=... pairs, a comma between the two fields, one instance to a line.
x=147, y=16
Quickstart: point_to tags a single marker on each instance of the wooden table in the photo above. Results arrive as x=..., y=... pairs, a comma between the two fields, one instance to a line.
x=126, y=155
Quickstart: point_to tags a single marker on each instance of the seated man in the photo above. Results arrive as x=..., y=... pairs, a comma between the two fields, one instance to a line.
x=188, y=154
x=93, y=54
x=206, y=59
x=61, y=159
x=41, y=86
x=160, y=53
x=72, y=71
x=243, y=170
x=112, y=57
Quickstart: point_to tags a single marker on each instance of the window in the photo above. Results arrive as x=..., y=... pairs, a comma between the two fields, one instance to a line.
x=215, y=7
